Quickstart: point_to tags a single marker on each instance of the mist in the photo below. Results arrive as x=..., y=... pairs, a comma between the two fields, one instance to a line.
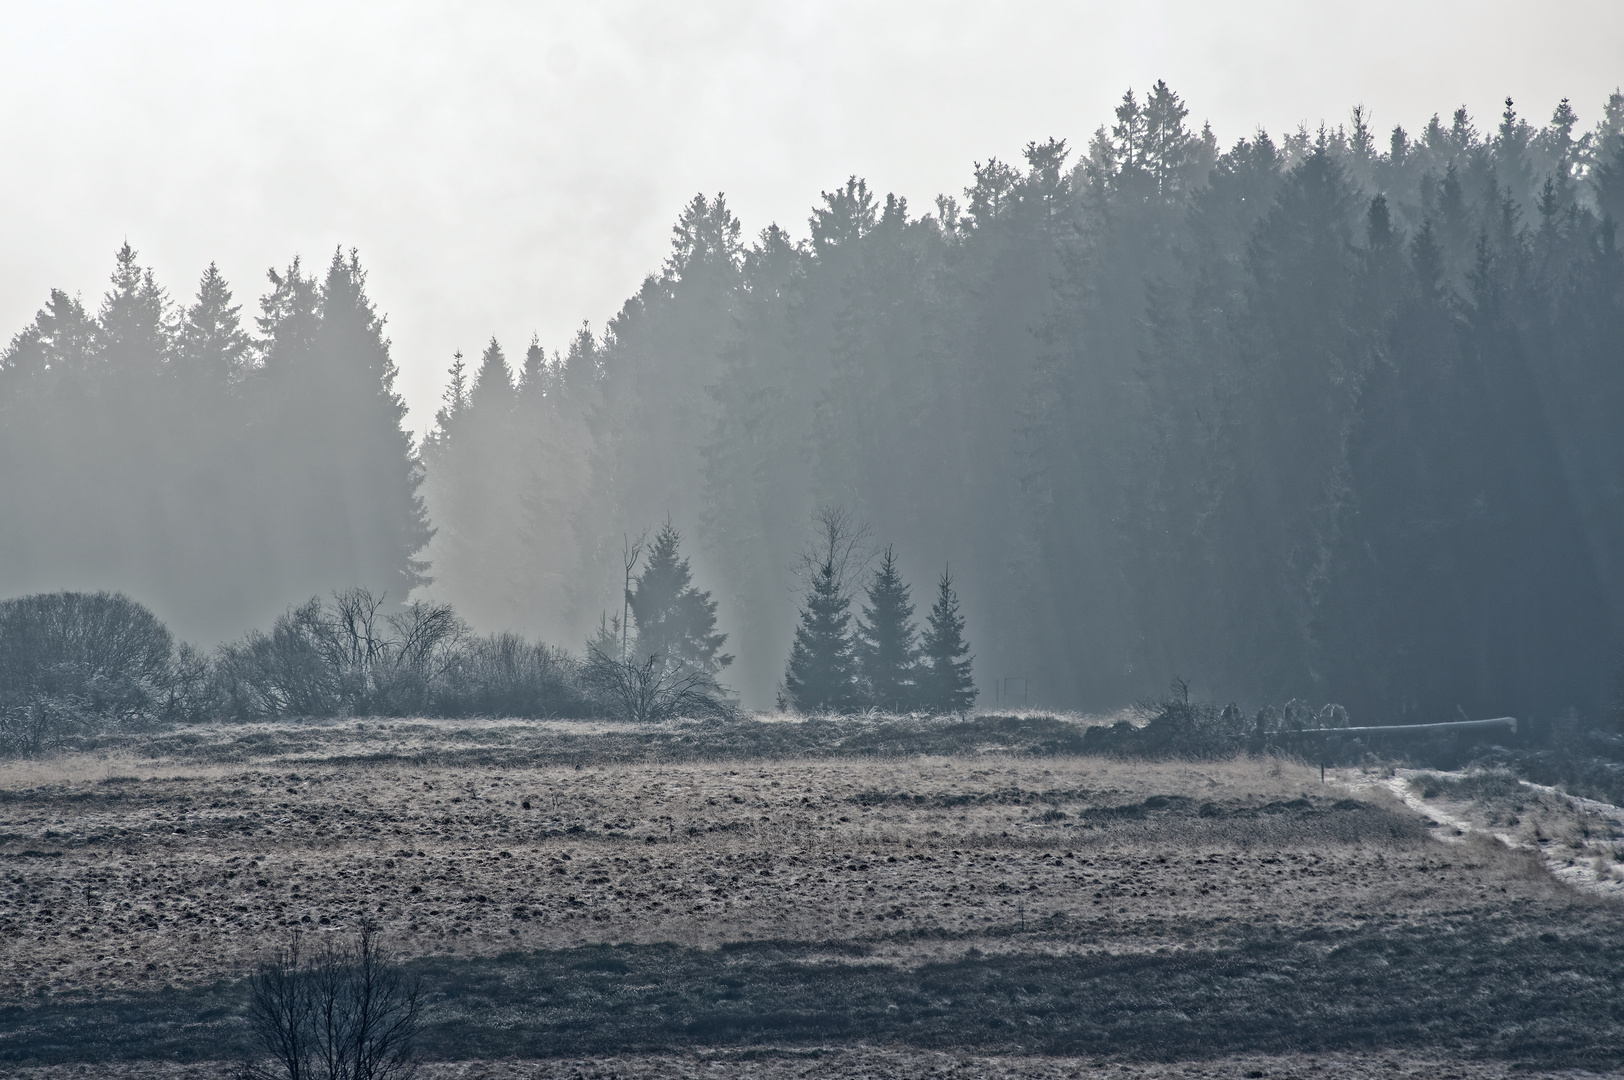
x=1322, y=413
x=775, y=541
x=512, y=169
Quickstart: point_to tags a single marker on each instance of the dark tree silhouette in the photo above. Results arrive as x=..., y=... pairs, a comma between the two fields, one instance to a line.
x=675, y=621
x=887, y=640
x=344, y=1013
x=822, y=670
x=945, y=682
x=1319, y=414
x=212, y=350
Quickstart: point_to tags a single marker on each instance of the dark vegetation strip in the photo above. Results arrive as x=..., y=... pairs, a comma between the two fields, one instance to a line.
x=1501, y=989
x=1179, y=730
x=696, y=741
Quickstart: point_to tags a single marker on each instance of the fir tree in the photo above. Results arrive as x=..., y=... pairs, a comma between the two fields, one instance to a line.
x=887, y=650
x=581, y=368
x=59, y=342
x=675, y=620
x=946, y=683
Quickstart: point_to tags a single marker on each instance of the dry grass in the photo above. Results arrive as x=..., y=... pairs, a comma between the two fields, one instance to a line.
x=185, y=876
x=121, y=876
x=1580, y=841
x=868, y=1063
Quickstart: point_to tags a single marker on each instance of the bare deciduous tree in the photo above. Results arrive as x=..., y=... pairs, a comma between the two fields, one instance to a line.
x=653, y=689
x=840, y=547
x=349, y=1013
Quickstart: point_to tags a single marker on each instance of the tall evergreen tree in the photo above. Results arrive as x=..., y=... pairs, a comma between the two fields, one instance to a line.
x=134, y=329
x=339, y=464
x=474, y=487
x=58, y=344
x=454, y=399
x=288, y=317
x=492, y=393
x=887, y=640
x=536, y=373
x=213, y=349
x=946, y=684
x=822, y=671
x=674, y=619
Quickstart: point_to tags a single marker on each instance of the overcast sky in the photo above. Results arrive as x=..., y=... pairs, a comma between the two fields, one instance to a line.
x=516, y=168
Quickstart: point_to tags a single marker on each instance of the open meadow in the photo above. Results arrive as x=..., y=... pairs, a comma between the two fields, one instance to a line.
x=861, y=897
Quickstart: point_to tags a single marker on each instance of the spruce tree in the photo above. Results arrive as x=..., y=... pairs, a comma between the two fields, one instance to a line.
x=946, y=683
x=212, y=350
x=887, y=649
x=342, y=473
x=675, y=620
x=289, y=316
x=134, y=330
x=455, y=397
x=492, y=392
x=535, y=375
x=822, y=671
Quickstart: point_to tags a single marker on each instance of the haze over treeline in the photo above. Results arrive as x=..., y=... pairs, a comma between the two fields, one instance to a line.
x=1329, y=414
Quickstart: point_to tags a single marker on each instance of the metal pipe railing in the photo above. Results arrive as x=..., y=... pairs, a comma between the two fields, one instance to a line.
x=1388, y=729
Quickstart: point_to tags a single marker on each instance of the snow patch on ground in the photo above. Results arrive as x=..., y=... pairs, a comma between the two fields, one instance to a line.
x=1583, y=849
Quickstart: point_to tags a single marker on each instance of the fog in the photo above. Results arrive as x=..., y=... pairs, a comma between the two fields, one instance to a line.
x=1212, y=378
x=515, y=168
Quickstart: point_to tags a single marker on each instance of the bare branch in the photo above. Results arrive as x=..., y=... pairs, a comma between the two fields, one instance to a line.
x=840, y=548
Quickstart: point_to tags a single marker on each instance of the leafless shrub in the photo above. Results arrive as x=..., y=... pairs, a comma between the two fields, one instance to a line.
x=35, y=727
x=509, y=675
x=323, y=660
x=193, y=692
x=73, y=662
x=285, y=672
x=346, y=1014
x=651, y=690
x=420, y=650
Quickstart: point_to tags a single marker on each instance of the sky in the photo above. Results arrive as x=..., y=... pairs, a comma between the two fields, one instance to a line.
x=515, y=169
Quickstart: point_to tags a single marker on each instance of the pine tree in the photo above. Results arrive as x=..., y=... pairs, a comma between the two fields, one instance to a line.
x=675, y=620
x=822, y=669
x=887, y=648
x=1607, y=175
x=946, y=682
x=476, y=469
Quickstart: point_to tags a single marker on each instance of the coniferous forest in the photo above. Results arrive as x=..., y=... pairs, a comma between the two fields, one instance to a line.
x=1330, y=414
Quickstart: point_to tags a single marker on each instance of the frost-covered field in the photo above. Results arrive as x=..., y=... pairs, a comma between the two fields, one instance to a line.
x=1580, y=840
x=828, y=905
